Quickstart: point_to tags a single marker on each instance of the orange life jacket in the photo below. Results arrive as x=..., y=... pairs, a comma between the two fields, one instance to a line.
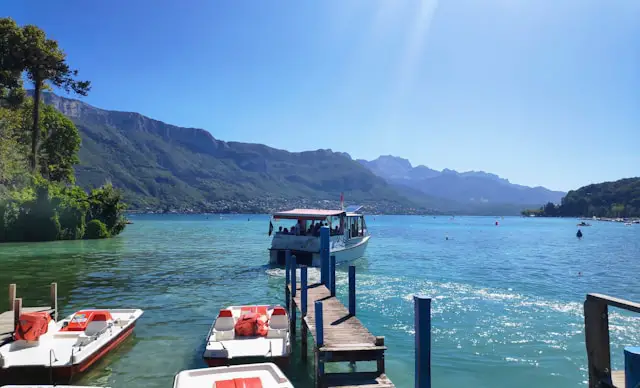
x=31, y=326
x=251, y=324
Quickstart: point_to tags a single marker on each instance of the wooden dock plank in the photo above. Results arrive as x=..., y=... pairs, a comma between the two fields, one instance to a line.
x=342, y=332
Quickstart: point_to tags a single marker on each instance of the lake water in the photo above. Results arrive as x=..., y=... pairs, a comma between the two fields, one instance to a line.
x=507, y=299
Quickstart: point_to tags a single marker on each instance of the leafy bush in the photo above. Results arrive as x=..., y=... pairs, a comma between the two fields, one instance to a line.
x=46, y=211
x=96, y=229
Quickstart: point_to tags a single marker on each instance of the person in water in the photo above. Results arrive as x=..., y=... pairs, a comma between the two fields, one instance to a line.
x=579, y=234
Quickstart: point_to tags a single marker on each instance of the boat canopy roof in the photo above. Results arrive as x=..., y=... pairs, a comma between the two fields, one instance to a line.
x=353, y=209
x=309, y=214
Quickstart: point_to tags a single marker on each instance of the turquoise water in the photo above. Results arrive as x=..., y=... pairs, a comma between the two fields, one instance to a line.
x=507, y=299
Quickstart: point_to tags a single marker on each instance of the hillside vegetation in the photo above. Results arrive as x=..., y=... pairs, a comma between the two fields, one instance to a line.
x=609, y=199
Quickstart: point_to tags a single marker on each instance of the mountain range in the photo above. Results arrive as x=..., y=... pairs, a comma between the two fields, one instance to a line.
x=463, y=187
x=162, y=166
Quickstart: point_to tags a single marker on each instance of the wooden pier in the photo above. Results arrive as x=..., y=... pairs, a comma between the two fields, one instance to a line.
x=9, y=319
x=338, y=335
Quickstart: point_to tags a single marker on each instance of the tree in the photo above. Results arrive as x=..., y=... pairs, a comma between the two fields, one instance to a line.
x=11, y=63
x=45, y=64
x=59, y=151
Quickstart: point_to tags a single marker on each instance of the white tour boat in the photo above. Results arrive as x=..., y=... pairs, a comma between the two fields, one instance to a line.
x=348, y=235
x=67, y=347
x=265, y=375
x=243, y=334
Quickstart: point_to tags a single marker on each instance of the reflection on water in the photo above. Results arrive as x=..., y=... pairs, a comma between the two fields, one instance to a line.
x=506, y=297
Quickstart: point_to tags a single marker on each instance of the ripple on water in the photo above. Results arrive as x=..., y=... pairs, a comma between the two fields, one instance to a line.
x=506, y=299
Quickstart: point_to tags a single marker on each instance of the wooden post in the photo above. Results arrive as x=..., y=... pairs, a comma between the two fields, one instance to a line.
x=319, y=327
x=319, y=343
x=318, y=376
x=287, y=274
x=12, y=294
x=596, y=327
x=292, y=315
x=17, y=310
x=352, y=290
x=332, y=267
x=380, y=360
x=303, y=290
x=294, y=276
x=324, y=255
x=287, y=258
x=303, y=337
x=54, y=300
x=422, y=312
x=303, y=310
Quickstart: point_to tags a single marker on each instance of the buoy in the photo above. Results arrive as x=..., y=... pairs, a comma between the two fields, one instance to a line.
x=496, y=223
x=579, y=234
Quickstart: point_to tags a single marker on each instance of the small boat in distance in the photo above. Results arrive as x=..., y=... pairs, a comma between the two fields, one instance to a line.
x=266, y=375
x=348, y=235
x=245, y=334
x=67, y=347
x=583, y=224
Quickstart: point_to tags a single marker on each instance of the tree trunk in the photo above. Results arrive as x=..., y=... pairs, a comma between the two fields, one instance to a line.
x=35, y=131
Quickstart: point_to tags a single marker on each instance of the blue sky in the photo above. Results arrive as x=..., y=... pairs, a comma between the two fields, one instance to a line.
x=540, y=92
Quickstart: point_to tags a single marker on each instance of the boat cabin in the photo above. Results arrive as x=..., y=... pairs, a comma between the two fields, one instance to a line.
x=298, y=230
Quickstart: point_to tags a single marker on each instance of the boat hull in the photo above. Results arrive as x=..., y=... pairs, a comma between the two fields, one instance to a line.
x=349, y=253
x=65, y=373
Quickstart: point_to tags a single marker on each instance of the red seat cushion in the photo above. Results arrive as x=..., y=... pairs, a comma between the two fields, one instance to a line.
x=224, y=384
x=251, y=382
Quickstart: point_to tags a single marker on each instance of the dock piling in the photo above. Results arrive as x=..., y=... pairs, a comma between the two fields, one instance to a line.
x=324, y=255
x=287, y=261
x=352, y=290
x=596, y=331
x=303, y=310
x=292, y=314
x=319, y=327
x=319, y=343
x=12, y=294
x=332, y=271
x=303, y=290
x=54, y=300
x=422, y=311
x=17, y=310
x=293, y=267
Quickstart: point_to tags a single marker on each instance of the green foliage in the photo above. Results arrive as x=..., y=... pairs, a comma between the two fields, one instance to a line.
x=97, y=229
x=43, y=204
x=11, y=64
x=59, y=151
x=47, y=211
x=609, y=199
x=29, y=51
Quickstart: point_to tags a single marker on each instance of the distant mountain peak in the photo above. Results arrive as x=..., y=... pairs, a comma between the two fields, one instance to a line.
x=450, y=184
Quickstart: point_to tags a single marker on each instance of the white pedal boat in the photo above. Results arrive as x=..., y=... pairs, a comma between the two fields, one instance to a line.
x=233, y=338
x=67, y=347
x=265, y=375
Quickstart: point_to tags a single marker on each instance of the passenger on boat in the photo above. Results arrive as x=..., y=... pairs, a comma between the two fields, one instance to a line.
x=285, y=231
x=280, y=229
